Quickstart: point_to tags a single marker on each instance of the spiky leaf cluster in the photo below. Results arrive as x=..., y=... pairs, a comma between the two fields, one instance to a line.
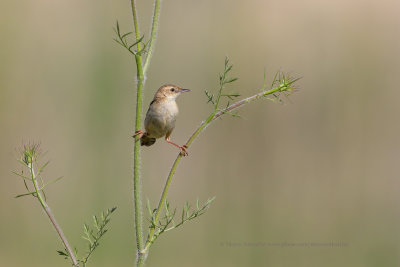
x=168, y=222
x=92, y=235
x=224, y=79
x=123, y=40
x=28, y=158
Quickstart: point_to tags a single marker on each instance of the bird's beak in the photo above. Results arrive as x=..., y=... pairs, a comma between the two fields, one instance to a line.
x=184, y=90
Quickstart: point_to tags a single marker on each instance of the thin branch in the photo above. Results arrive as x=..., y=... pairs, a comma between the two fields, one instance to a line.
x=50, y=214
x=154, y=29
x=100, y=226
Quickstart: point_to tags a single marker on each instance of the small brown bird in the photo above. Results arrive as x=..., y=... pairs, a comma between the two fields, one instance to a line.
x=161, y=116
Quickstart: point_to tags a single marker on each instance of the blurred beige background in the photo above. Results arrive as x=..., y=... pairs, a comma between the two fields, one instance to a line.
x=321, y=168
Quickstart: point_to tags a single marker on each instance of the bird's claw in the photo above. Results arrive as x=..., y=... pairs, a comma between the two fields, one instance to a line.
x=183, y=151
x=138, y=133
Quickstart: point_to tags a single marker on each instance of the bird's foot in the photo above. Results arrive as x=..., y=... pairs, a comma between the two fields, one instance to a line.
x=138, y=134
x=183, y=150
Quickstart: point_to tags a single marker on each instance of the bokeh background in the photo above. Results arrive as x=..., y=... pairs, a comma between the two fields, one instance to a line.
x=321, y=168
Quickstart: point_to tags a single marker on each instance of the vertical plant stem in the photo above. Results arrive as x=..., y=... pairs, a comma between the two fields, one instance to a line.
x=136, y=154
x=135, y=22
x=51, y=216
x=136, y=174
x=141, y=70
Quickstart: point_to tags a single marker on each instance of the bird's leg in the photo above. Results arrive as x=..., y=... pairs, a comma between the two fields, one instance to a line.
x=181, y=148
x=139, y=134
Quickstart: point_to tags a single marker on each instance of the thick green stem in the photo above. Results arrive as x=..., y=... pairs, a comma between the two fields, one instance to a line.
x=136, y=172
x=136, y=154
x=51, y=215
x=141, y=71
x=141, y=258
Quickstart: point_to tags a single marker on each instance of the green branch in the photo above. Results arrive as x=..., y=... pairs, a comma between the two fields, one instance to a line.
x=136, y=152
x=153, y=34
x=93, y=236
x=141, y=70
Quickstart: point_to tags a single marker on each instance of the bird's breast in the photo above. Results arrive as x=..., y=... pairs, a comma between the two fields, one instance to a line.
x=160, y=118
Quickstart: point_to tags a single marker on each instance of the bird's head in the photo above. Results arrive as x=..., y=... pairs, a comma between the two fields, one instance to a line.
x=170, y=92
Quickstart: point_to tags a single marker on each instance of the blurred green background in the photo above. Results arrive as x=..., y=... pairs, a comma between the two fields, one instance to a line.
x=321, y=168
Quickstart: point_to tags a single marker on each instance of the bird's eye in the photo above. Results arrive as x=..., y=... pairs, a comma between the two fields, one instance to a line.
x=172, y=89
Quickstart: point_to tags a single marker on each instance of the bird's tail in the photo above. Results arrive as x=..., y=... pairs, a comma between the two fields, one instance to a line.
x=147, y=141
